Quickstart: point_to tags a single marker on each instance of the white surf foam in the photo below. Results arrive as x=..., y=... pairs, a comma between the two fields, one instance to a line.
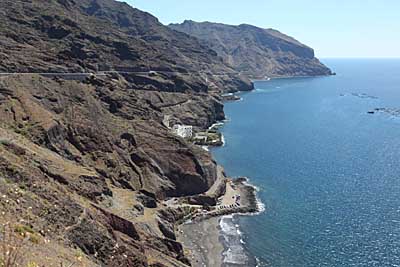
x=217, y=124
x=205, y=148
x=260, y=204
x=235, y=253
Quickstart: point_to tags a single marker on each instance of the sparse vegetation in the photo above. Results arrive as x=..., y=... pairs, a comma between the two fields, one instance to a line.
x=23, y=229
x=79, y=255
x=25, y=129
x=5, y=142
x=12, y=247
x=27, y=231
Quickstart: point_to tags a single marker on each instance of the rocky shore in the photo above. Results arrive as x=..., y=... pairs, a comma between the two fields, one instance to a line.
x=248, y=201
x=230, y=97
x=201, y=234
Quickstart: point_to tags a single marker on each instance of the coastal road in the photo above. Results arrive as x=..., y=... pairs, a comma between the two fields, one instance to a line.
x=104, y=73
x=65, y=76
x=218, y=183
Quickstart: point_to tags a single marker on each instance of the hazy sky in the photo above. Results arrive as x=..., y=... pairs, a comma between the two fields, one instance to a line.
x=334, y=28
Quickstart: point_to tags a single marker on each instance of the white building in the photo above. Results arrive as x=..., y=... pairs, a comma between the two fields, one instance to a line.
x=183, y=131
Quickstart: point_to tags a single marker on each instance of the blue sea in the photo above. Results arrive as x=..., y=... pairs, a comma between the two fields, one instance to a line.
x=328, y=172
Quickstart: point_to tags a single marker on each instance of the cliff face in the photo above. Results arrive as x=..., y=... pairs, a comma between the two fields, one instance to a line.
x=256, y=52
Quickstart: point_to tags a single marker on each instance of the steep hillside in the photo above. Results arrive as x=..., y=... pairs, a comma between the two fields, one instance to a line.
x=86, y=165
x=256, y=52
x=97, y=35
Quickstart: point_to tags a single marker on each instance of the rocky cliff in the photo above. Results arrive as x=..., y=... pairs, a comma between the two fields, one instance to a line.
x=256, y=52
x=85, y=164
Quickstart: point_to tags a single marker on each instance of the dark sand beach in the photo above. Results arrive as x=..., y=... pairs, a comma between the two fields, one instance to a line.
x=202, y=237
x=203, y=240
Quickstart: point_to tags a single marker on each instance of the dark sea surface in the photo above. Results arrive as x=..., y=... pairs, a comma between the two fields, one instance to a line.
x=328, y=172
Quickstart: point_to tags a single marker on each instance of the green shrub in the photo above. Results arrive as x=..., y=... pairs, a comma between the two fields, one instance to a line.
x=23, y=229
x=5, y=142
x=27, y=231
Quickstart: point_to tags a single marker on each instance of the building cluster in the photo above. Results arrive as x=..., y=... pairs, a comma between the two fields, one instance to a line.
x=184, y=131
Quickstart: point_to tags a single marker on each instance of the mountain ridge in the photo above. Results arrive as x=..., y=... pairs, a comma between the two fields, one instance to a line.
x=256, y=52
x=93, y=35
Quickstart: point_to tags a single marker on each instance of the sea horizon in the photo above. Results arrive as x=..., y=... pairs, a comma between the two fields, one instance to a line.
x=349, y=96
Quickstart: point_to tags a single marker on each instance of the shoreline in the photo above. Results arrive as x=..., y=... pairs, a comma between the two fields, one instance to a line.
x=202, y=242
x=206, y=237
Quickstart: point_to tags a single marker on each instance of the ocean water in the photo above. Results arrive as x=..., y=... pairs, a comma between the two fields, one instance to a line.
x=328, y=172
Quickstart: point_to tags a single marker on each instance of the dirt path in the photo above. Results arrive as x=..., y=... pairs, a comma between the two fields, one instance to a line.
x=220, y=180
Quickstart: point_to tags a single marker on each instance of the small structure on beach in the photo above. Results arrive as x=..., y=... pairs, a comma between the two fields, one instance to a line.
x=184, y=131
x=208, y=138
x=201, y=137
x=230, y=97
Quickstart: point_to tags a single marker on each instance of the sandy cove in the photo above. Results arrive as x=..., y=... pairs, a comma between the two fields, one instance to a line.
x=201, y=236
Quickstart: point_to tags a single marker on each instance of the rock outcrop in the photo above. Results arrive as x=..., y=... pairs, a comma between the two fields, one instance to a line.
x=256, y=52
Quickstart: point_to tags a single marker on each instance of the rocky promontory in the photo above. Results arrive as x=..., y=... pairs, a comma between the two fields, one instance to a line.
x=255, y=52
